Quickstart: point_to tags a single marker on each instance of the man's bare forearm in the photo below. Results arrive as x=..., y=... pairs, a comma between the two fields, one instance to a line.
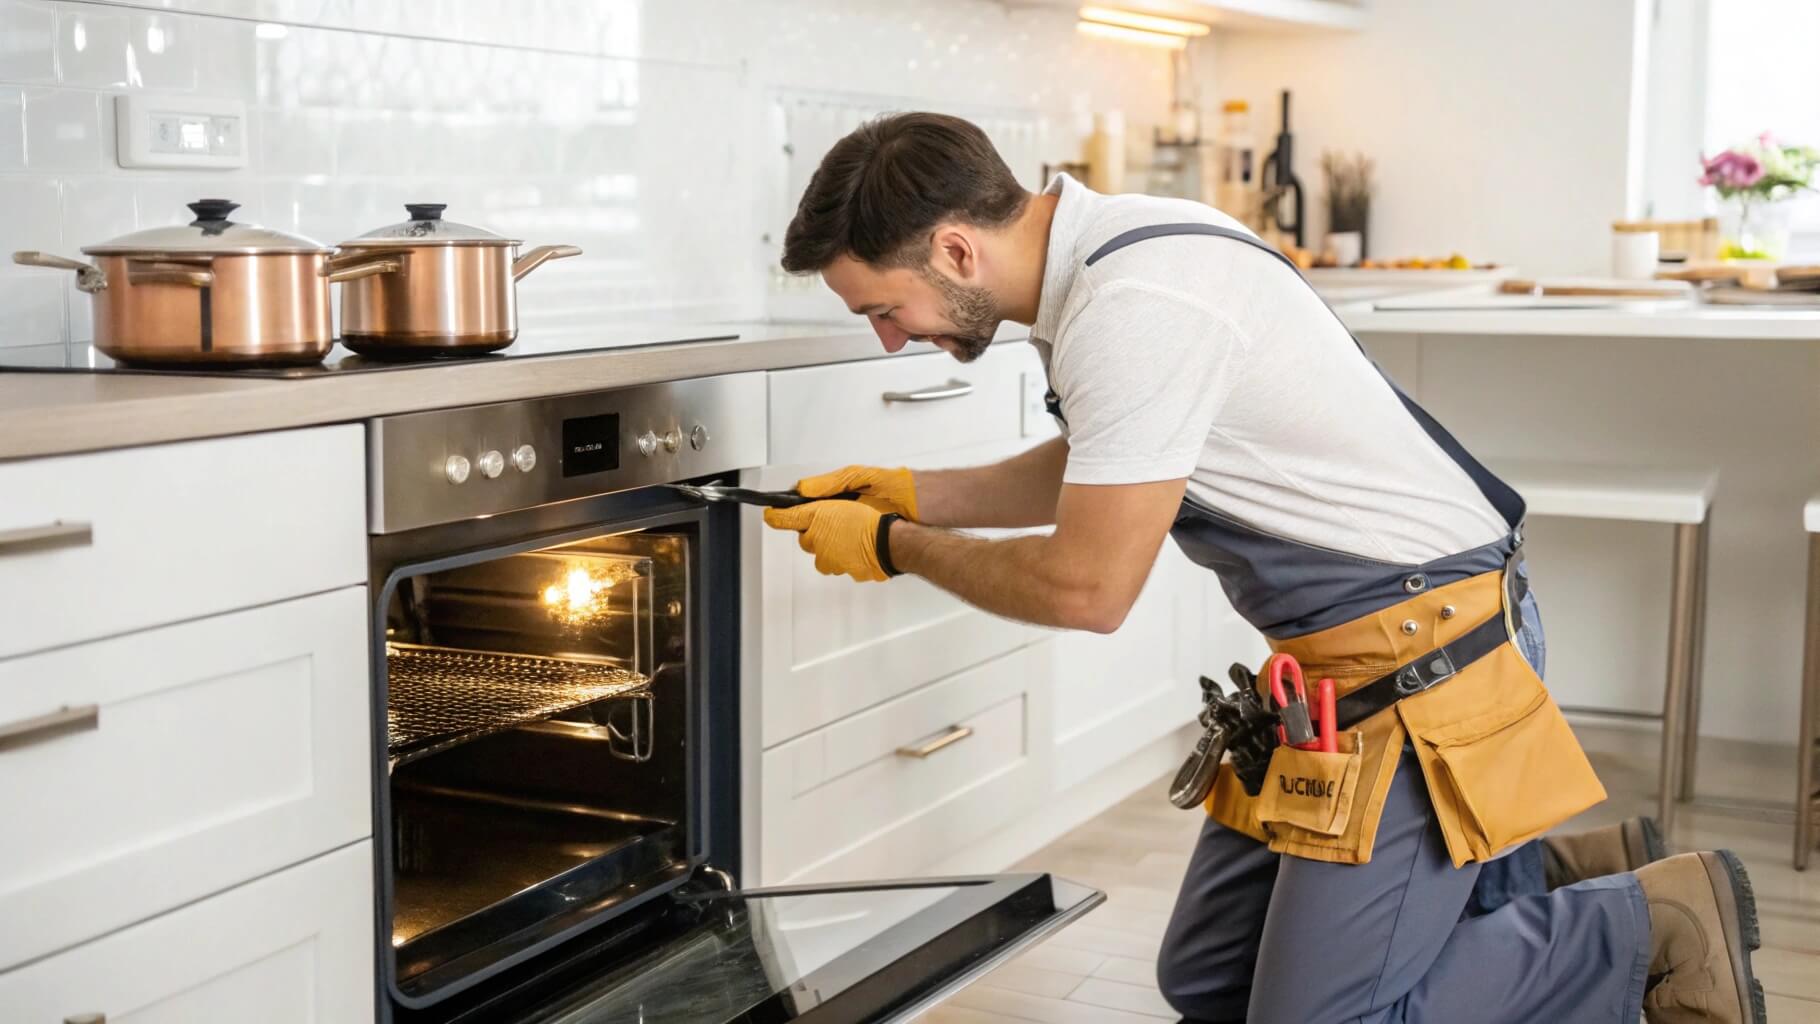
x=1017, y=492
x=1023, y=578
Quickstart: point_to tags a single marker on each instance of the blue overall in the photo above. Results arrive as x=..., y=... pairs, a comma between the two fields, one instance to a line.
x=1265, y=937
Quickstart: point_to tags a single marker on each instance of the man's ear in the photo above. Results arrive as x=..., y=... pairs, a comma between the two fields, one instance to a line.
x=954, y=251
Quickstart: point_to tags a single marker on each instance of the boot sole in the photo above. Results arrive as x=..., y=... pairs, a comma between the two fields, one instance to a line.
x=1738, y=907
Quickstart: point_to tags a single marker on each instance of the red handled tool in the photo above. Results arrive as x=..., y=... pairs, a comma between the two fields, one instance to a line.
x=1298, y=722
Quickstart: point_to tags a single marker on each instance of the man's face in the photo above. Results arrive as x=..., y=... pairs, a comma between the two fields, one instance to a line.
x=906, y=304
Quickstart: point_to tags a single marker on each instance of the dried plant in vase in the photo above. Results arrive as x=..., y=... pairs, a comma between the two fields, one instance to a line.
x=1349, y=187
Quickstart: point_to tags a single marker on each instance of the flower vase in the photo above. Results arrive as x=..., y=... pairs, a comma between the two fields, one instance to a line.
x=1753, y=229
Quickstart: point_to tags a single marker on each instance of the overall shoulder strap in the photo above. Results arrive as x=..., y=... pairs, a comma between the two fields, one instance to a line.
x=1502, y=496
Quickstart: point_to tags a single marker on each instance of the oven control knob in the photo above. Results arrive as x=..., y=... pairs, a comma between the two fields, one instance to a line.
x=647, y=443
x=525, y=458
x=491, y=464
x=673, y=440
x=698, y=438
x=456, y=469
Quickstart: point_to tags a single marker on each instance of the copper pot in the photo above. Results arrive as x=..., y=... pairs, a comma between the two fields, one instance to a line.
x=211, y=291
x=453, y=291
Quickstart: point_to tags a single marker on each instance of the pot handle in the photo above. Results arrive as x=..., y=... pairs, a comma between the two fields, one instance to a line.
x=168, y=273
x=356, y=271
x=89, y=278
x=537, y=257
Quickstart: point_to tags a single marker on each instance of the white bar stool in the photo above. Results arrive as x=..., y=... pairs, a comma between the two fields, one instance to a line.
x=1682, y=498
x=1807, y=771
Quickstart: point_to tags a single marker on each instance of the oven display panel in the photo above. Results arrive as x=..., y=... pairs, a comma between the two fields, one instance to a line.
x=590, y=444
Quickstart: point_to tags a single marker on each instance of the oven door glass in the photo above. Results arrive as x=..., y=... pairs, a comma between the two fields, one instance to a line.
x=829, y=954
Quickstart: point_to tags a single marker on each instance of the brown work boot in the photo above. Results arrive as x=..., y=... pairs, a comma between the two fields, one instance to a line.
x=1702, y=929
x=1611, y=850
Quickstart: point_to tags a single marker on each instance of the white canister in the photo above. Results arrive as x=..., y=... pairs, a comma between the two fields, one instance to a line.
x=1348, y=247
x=1634, y=252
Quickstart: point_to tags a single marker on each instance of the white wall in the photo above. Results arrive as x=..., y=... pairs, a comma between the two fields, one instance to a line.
x=652, y=133
x=1500, y=130
x=1763, y=76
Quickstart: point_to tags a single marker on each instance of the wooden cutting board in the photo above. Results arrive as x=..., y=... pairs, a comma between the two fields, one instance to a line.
x=1597, y=287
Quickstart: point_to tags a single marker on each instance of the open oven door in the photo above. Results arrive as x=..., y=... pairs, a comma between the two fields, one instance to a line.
x=836, y=954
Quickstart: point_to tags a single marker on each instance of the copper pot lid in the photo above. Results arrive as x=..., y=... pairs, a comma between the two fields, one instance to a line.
x=427, y=227
x=211, y=233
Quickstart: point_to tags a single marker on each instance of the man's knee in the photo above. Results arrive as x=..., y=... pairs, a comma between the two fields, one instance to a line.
x=1204, y=977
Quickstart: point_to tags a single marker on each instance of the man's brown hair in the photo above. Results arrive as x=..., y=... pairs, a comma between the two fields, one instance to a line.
x=882, y=190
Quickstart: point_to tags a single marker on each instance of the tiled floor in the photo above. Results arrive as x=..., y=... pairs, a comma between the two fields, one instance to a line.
x=1101, y=970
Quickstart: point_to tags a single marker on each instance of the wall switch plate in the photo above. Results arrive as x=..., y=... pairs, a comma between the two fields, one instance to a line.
x=180, y=131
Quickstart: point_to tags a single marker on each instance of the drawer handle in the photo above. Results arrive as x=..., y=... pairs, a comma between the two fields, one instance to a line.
x=46, y=538
x=45, y=727
x=955, y=388
x=954, y=734
x=86, y=1018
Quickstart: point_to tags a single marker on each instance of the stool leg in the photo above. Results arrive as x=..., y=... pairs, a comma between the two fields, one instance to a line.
x=1805, y=779
x=1674, y=695
x=1690, y=749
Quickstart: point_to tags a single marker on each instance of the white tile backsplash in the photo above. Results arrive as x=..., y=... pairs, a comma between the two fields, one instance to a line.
x=652, y=133
x=94, y=45
x=62, y=131
x=12, y=130
x=33, y=300
x=28, y=48
x=30, y=209
x=166, y=52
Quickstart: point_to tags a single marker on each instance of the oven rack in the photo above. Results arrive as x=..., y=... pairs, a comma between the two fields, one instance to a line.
x=439, y=697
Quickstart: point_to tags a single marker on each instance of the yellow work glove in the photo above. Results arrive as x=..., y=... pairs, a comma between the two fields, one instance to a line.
x=847, y=538
x=888, y=490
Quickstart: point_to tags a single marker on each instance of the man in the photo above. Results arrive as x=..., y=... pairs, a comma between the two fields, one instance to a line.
x=1206, y=392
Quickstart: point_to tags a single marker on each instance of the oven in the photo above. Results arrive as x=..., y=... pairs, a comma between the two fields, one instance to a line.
x=556, y=760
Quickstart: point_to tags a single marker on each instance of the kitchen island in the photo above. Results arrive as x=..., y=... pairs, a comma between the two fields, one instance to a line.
x=1641, y=384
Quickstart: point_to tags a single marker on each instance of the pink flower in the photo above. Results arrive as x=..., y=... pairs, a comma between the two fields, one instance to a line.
x=1766, y=140
x=1731, y=170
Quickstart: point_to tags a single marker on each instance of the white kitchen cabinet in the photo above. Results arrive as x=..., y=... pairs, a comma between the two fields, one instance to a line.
x=146, y=771
x=827, y=647
x=294, y=947
x=884, y=793
x=100, y=544
x=1115, y=693
x=882, y=411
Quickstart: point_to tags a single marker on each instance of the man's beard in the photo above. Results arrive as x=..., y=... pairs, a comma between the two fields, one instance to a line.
x=973, y=312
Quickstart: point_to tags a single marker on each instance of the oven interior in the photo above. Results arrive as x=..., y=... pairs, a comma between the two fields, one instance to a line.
x=538, y=751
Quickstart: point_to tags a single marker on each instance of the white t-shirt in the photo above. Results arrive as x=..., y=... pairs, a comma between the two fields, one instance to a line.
x=1203, y=357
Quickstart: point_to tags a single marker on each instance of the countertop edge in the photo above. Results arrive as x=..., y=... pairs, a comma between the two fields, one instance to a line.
x=97, y=412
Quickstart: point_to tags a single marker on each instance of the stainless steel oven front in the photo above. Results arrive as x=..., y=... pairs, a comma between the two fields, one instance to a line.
x=556, y=759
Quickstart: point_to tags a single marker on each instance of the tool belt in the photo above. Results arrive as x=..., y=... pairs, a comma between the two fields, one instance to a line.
x=1436, y=672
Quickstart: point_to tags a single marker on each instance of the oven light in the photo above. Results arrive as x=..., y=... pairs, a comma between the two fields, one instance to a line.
x=579, y=597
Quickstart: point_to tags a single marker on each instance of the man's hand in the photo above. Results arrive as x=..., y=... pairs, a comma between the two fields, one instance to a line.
x=888, y=490
x=842, y=535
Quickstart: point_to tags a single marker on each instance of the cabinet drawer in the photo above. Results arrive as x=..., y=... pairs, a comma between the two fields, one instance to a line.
x=193, y=757
x=826, y=647
x=853, y=800
x=292, y=948
x=829, y=416
x=102, y=544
